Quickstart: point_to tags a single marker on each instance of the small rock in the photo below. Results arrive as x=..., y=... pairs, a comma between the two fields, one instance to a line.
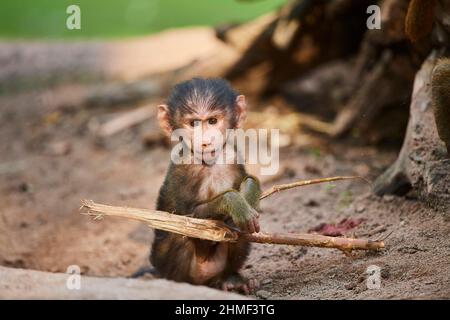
x=388, y=197
x=263, y=294
x=311, y=203
x=290, y=172
x=360, y=208
x=25, y=187
x=350, y=286
x=385, y=273
x=266, y=281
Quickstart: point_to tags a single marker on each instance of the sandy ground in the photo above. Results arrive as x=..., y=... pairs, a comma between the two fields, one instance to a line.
x=40, y=227
x=49, y=161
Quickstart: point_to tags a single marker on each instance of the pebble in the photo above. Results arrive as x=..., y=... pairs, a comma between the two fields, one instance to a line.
x=350, y=286
x=266, y=281
x=385, y=273
x=25, y=187
x=263, y=294
x=360, y=208
x=311, y=203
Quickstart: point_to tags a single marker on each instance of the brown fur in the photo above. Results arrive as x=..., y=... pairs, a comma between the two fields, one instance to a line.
x=202, y=190
x=172, y=254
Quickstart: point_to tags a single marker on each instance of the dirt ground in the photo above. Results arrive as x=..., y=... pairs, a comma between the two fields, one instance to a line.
x=49, y=161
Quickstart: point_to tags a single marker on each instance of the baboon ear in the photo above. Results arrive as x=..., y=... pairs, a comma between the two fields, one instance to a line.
x=163, y=119
x=241, y=109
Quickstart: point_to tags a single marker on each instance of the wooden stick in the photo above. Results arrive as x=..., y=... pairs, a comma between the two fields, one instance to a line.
x=126, y=120
x=314, y=240
x=191, y=227
x=302, y=183
x=218, y=231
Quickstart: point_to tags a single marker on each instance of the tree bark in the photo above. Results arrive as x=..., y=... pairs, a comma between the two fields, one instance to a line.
x=422, y=163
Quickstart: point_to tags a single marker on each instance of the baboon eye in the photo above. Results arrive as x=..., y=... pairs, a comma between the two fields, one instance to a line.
x=194, y=123
x=212, y=120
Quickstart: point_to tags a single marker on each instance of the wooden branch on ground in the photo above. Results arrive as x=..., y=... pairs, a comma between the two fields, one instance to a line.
x=219, y=231
x=191, y=227
x=125, y=121
x=314, y=240
x=302, y=183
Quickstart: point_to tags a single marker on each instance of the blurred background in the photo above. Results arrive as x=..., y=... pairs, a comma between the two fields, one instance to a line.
x=122, y=18
x=77, y=121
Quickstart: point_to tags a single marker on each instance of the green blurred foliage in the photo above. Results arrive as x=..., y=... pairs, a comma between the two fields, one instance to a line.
x=119, y=18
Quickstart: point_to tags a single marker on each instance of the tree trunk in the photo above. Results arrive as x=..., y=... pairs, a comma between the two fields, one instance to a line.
x=422, y=163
